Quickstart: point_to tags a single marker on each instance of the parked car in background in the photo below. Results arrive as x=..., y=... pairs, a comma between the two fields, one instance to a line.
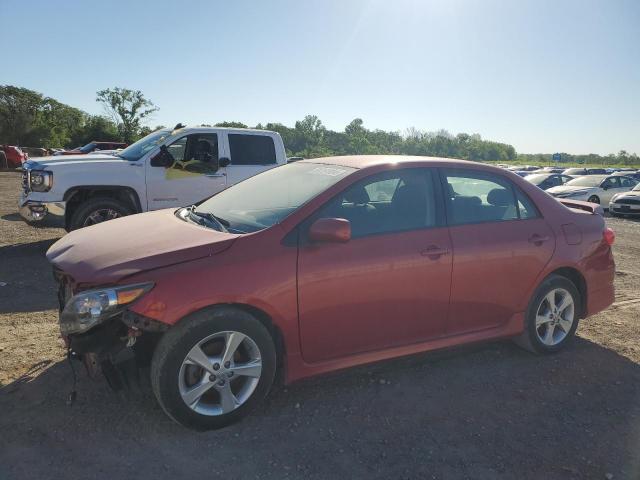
x=629, y=173
x=548, y=180
x=524, y=168
x=626, y=203
x=579, y=172
x=12, y=156
x=167, y=168
x=522, y=173
x=549, y=170
x=92, y=147
x=594, y=188
x=254, y=278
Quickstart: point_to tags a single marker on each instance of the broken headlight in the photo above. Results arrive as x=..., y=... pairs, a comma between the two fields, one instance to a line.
x=92, y=307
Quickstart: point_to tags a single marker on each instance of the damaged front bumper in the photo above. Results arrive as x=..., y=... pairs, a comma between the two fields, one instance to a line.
x=117, y=348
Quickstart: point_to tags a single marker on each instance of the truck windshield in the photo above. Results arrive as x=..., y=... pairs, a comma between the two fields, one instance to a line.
x=137, y=150
x=266, y=199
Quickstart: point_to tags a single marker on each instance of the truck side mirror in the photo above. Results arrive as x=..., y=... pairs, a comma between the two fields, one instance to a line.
x=224, y=162
x=163, y=158
x=331, y=230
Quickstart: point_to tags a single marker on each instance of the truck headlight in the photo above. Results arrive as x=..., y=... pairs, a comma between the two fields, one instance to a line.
x=92, y=307
x=40, y=180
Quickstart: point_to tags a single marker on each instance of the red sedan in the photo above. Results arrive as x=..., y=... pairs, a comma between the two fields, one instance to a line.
x=324, y=264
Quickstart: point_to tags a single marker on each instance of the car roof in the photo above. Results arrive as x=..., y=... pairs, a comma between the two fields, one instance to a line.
x=366, y=161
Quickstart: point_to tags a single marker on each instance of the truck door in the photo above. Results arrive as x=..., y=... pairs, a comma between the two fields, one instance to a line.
x=192, y=177
x=249, y=153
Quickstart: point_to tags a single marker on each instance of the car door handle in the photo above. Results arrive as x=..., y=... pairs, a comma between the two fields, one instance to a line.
x=215, y=175
x=434, y=252
x=538, y=239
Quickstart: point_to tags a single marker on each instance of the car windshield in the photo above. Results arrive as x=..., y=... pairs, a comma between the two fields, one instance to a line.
x=266, y=199
x=536, y=179
x=586, y=181
x=137, y=150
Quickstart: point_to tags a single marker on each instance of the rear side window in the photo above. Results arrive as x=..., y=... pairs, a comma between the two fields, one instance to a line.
x=477, y=197
x=251, y=149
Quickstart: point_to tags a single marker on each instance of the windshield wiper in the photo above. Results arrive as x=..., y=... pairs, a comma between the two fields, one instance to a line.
x=221, y=223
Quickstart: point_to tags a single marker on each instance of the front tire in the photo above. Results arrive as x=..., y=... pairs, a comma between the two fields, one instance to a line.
x=213, y=368
x=98, y=210
x=552, y=316
x=594, y=199
x=4, y=163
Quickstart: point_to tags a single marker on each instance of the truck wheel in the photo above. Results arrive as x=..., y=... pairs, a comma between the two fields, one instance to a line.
x=98, y=210
x=3, y=160
x=213, y=368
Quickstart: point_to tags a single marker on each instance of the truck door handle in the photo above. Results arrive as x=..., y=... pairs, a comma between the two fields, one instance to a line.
x=538, y=239
x=215, y=175
x=434, y=252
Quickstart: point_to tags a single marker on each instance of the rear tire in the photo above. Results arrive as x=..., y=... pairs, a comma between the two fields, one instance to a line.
x=191, y=357
x=98, y=210
x=552, y=316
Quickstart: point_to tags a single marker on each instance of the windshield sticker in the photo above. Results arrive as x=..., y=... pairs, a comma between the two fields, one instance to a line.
x=329, y=171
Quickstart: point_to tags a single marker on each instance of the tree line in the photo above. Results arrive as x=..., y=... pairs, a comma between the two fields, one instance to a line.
x=28, y=118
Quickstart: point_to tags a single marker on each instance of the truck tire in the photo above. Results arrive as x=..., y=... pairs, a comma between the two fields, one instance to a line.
x=213, y=368
x=98, y=210
x=4, y=164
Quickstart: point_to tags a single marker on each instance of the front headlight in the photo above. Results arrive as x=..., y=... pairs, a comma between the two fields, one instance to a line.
x=92, y=307
x=40, y=180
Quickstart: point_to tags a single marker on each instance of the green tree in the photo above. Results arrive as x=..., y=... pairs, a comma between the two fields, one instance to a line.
x=127, y=108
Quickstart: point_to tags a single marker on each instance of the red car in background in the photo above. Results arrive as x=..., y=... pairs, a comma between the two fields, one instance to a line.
x=325, y=264
x=11, y=156
x=93, y=146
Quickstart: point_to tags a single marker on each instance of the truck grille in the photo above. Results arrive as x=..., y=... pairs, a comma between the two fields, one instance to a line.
x=25, y=181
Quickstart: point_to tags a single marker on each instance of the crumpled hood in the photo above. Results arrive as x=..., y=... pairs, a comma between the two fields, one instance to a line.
x=109, y=251
x=40, y=163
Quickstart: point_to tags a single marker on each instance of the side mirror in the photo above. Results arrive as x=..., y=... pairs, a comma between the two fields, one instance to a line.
x=606, y=187
x=331, y=230
x=163, y=158
x=223, y=162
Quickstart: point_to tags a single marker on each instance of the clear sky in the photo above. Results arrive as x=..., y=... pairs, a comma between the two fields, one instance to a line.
x=543, y=75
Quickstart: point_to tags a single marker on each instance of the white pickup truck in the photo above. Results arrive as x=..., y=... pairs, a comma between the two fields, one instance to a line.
x=167, y=168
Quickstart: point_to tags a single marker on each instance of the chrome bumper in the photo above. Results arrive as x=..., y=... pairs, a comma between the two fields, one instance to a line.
x=52, y=213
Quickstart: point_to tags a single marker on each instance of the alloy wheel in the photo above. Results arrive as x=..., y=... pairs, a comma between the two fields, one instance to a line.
x=220, y=373
x=555, y=316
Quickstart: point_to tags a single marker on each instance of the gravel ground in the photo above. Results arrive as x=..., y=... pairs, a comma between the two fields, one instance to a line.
x=490, y=411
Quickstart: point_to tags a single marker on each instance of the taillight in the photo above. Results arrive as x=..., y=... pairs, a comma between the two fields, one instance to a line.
x=609, y=236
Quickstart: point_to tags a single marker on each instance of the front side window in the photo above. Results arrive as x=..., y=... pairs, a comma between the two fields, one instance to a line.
x=477, y=197
x=611, y=182
x=194, y=154
x=389, y=202
x=251, y=149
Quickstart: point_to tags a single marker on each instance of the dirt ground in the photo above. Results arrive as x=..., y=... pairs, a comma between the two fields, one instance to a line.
x=490, y=411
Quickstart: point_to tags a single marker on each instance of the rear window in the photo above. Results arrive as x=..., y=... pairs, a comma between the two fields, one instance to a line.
x=251, y=149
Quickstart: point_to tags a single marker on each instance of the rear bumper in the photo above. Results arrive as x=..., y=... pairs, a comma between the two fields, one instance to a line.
x=51, y=213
